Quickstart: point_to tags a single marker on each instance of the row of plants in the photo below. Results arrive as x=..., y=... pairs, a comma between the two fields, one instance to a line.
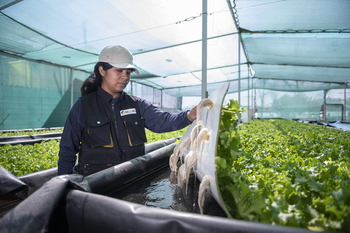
x=29, y=132
x=283, y=172
x=25, y=159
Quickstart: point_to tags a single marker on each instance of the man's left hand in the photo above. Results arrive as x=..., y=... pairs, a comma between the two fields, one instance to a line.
x=192, y=114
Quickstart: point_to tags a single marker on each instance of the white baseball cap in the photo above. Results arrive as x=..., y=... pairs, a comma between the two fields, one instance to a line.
x=118, y=56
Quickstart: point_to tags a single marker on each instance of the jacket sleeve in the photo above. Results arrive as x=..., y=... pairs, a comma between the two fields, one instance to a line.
x=159, y=121
x=70, y=140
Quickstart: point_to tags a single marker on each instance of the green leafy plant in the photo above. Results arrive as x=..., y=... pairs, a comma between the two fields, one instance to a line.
x=284, y=172
x=240, y=200
x=25, y=159
x=155, y=137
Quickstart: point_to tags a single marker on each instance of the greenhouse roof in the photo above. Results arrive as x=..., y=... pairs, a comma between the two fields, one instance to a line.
x=290, y=45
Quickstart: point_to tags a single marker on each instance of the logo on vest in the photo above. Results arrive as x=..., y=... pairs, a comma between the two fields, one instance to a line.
x=127, y=111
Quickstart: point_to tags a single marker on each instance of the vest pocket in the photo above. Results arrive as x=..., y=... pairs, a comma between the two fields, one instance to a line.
x=135, y=131
x=99, y=132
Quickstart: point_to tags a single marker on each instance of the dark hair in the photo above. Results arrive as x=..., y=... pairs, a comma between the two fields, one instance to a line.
x=94, y=80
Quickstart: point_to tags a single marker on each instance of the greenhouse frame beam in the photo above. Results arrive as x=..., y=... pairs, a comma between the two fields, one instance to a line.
x=10, y=4
x=204, y=92
x=260, y=63
x=298, y=80
x=243, y=30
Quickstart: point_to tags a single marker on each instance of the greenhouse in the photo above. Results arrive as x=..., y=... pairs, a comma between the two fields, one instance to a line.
x=285, y=59
x=277, y=71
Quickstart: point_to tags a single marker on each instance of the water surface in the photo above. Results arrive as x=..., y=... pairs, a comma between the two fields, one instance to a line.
x=160, y=190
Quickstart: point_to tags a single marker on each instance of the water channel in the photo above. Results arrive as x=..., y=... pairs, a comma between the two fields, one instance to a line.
x=160, y=190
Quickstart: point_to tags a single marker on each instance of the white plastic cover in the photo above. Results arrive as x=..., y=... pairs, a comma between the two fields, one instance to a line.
x=207, y=153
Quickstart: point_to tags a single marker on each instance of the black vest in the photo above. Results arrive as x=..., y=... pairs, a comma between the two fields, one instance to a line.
x=112, y=134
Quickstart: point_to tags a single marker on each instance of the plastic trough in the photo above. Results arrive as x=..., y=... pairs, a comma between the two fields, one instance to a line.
x=29, y=139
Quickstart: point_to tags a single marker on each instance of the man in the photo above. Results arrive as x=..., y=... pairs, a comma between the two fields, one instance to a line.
x=106, y=125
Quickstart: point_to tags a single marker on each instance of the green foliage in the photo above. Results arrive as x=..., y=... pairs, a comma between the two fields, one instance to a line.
x=241, y=200
x=25, y=159
x=292, y=173
x=155, y=137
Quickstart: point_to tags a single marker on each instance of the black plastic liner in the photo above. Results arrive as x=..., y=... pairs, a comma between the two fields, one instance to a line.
x=55, y=207
x=66, y=204
x=9, y=183
x=29, y=139
x=118, y=176
x=15, y=138
x=29, y=130
x=35, y=212
x=35, y=180
x=24, y=186
x=120, y=216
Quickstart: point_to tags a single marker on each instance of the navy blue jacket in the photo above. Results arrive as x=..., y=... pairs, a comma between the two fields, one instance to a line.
x=156, y=121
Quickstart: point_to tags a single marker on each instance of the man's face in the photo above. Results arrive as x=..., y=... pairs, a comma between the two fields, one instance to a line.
x=114, y=80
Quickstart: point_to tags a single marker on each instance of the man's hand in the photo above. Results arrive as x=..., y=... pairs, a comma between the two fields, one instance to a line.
x=192, y=114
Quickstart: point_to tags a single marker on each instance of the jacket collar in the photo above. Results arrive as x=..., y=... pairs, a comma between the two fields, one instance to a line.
x=106, y=96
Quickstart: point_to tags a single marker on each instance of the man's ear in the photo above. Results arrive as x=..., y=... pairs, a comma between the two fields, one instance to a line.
x=101, y=70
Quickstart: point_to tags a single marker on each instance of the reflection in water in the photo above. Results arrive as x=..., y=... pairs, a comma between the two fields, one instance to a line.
x=160, y=190
x=159, y=194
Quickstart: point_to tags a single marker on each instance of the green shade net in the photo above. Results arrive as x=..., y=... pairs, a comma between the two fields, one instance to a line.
x=48, y=48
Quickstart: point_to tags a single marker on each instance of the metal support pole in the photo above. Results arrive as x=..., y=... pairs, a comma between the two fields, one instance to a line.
x=204, y=49
x=324, y=102
x=130, y=87
x=239, y=67
x=248, y=94
x=255, y=108
x=71, y=87
x=252, y=103
x=345, y=101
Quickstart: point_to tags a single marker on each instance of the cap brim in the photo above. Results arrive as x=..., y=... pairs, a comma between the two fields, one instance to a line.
x=126, y=66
